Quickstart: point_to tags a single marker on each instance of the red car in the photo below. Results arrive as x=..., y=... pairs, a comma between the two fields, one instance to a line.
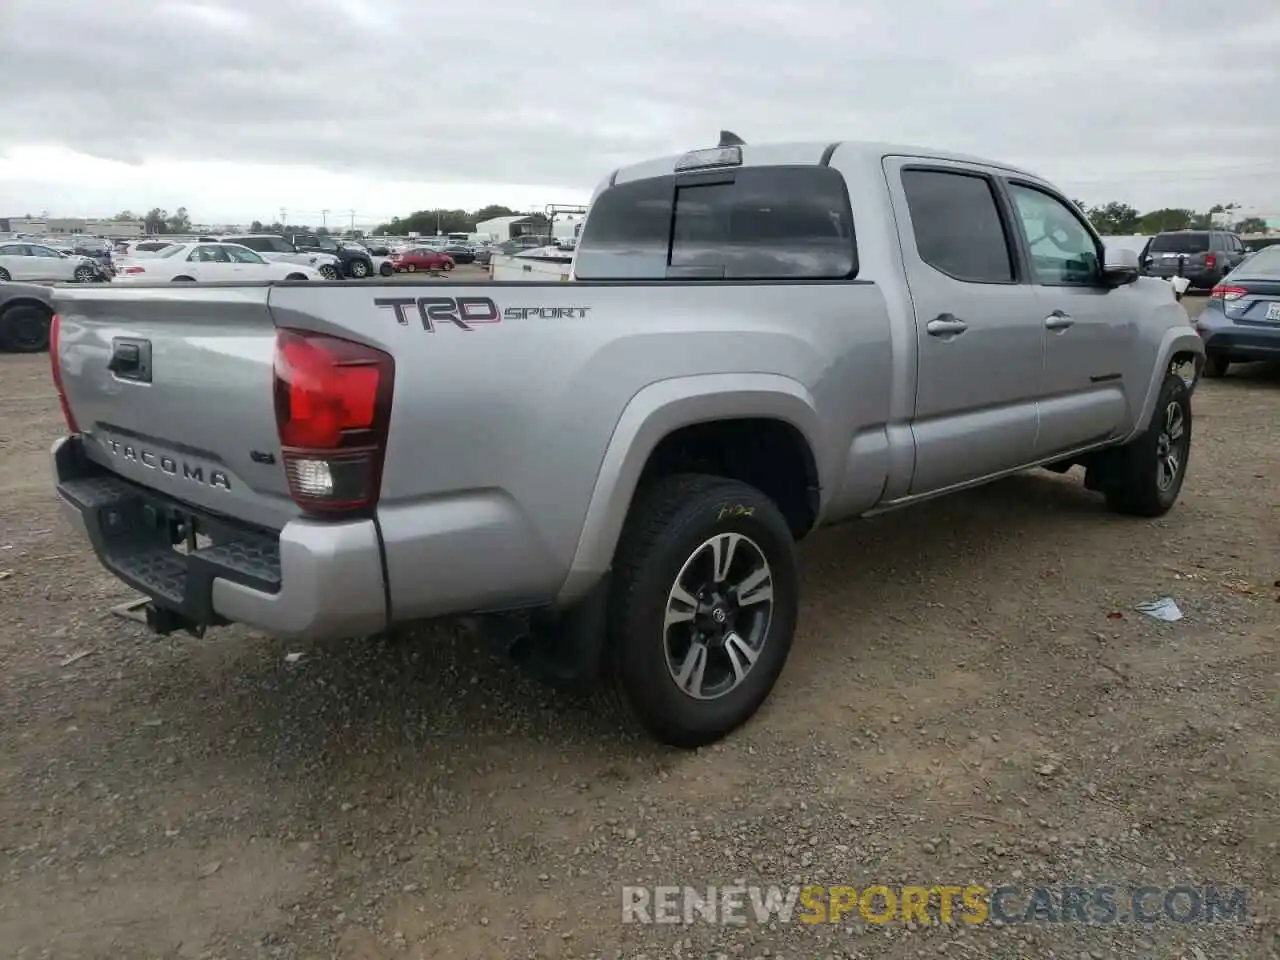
x=421, y=258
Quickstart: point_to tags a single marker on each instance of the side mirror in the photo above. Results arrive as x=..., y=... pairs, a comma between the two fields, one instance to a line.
x=1120, y=267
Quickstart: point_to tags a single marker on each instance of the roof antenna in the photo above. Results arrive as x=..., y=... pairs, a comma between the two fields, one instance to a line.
x=730, y=139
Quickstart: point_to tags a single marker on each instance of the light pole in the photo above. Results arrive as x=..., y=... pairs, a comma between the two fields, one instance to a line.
x=324, y=220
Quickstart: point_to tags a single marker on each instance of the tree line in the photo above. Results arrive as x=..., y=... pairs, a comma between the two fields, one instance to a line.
x=1119, y=219
x=1111, y=219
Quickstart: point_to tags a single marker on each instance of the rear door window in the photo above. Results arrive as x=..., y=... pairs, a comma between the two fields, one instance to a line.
x=752, y=223
x=1180, y=243
x=957, y=225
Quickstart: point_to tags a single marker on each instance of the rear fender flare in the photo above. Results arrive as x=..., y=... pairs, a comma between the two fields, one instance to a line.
x=1175, y=340
x=651, y=415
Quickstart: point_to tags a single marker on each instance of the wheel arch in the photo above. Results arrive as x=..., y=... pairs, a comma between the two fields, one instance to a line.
x=1178, y=345
x=669, y=409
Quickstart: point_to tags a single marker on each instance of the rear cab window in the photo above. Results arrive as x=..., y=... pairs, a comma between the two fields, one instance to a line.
x=743, y=223
x=1189, y=242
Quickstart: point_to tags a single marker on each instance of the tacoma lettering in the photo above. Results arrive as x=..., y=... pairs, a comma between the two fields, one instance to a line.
x=168, y=466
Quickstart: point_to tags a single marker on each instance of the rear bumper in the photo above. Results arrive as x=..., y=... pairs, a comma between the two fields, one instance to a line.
x=315, y=580
x=1241, y=343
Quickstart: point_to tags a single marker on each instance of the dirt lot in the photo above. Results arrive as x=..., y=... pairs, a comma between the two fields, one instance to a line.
x=972, y=699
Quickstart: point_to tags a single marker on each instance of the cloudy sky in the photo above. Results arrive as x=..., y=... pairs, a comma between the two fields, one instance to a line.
x=236, y=109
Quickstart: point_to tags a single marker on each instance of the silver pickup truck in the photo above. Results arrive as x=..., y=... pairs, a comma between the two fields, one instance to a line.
x=610, y=474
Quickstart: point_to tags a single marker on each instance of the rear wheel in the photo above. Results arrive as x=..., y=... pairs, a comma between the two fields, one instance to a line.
x=386, y=270
x=446, y=266
x=359, y=269
x=703, y=607
x=1146, y=475
x=1215, y=365
x=24, y=329
x=330, y=272
x=4, y=274
x=411, y=268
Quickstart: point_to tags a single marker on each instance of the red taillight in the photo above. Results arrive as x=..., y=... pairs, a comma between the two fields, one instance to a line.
x=1209, y=261
x=55, y=365
x=1227, y=293
x=133, y=270
x=333, y=406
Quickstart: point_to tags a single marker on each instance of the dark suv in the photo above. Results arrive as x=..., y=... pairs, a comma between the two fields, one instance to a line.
x=355, y=260
x=1202, y=256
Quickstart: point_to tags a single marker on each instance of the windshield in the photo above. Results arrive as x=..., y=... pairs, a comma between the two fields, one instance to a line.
x=1263, y=265
x=1180, y=243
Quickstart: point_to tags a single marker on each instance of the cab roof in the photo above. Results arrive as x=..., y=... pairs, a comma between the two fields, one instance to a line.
x=812, y=152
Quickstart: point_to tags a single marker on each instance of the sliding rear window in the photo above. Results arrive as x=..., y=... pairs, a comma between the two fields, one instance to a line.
x=752, y=223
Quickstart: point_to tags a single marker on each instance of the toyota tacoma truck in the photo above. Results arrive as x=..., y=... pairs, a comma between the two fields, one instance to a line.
x=610, y=475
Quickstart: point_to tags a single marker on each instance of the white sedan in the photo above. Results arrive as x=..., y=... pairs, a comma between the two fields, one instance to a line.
x=209, y=261
x=22, y=260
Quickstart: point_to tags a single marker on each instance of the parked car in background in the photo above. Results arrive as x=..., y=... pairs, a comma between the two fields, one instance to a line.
x=1255, y=244
x=356, y=262
x=279, y=250
x=421, y=258
x=25, y=312
x=1202, y=256
x=460, y=252
x=142, y=248
x=211, y=261
x=380, y=255
x=1241, y=321
x=482, y=253
x=34, y=261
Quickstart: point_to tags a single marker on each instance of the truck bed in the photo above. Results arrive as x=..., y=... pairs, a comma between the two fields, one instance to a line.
x=507, y=398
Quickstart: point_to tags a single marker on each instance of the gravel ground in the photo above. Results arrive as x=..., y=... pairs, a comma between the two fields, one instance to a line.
x=971, y=699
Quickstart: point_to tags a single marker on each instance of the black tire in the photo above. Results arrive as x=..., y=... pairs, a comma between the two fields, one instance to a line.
x=183, y=280
x=386, y=270
x=667, y=526
x=446, y=266
x=24, y=329
x=412, y=268
x=1215, y=366
x=358, y=270
x=330, y=272
x=1134, y=478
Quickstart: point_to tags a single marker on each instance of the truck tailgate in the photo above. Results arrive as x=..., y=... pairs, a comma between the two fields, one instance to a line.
x=171, y=388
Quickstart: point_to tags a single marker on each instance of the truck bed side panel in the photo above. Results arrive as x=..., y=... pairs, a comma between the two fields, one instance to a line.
x=500, y=426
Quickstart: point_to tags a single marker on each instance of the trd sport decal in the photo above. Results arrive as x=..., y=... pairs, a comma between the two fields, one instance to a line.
x=466, y=313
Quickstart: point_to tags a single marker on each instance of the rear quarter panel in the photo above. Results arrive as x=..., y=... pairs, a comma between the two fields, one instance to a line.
x=499, y=432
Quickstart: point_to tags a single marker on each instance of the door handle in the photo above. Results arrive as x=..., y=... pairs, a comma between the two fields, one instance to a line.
x=946, y=325
x=1058, y=321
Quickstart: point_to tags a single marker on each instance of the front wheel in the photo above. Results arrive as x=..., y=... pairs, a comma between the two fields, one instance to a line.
x=359, y=269
x=702, y=609
x=330, y=272
x=86, y=274
x=386, y=270
x=411, y=268
x=1146, y=476
x=4, y=274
